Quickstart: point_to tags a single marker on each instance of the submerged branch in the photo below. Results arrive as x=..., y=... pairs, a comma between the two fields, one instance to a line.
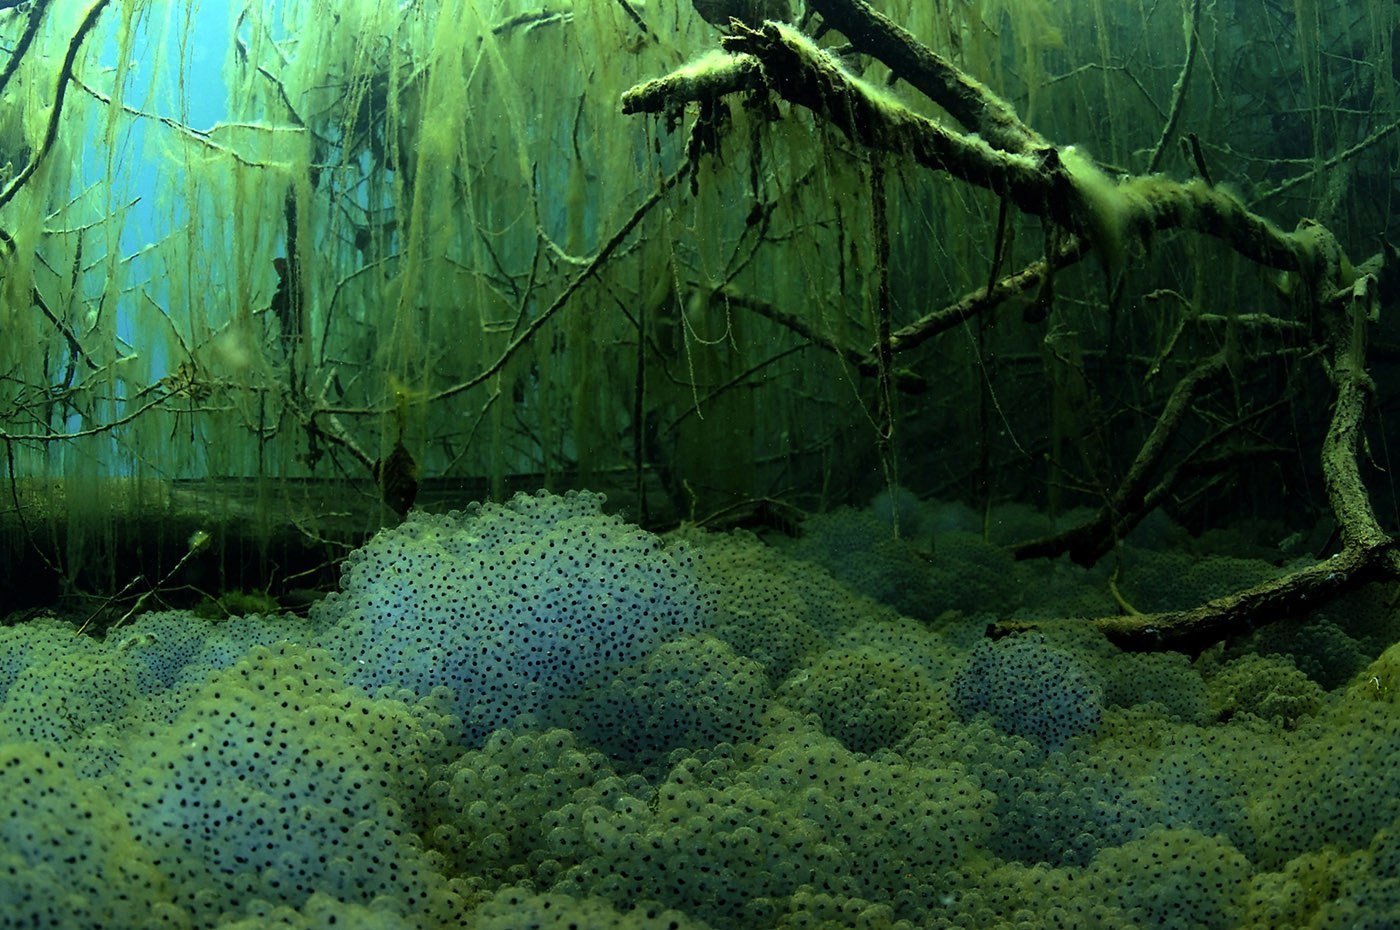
x=1194, y=630
x=26, y=39
x=968, y=101
x=1090, y=540
x=1058, y=184
x=527, y=332
x=65, y=72
x=1367, y=554
x=1193, y=42
x=198, y=136
x=905, y=380
x=598, y=261
x=709, y=78
x=806, y=75
x=105, y=427
x=985, y=299
x=1103, y=214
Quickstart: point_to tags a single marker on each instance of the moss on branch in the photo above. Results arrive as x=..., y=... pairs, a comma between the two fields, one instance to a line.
x=1059, y=184
x=965, y=99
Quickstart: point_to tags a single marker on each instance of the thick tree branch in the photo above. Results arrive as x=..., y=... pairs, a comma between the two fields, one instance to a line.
x=966, y=100
x=709, y=78
x=1058, y=184
x=808, y=76
x=1346, y=492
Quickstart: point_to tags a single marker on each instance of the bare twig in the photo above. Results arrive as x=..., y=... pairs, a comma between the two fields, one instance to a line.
x=1380, y=135
x=985, y=299
x=1193, y=41
x=526, y=332
x=1087, y=542
x=65, y=72
x=97, y=430
x=26, y=39
x=201, y=137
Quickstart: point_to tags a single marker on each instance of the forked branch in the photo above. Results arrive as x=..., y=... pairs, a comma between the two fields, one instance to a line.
x=1101, y=214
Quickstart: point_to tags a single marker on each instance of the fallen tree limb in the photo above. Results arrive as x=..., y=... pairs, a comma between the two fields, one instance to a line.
x=805, y=75
x=968, y=101
x=1368, y=554
x=710, y=78
x=1104, y=215
x=1194, y=630
x=1059, y=184
x=1346, y=492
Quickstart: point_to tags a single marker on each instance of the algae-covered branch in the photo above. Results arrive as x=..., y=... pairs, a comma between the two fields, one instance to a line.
x=1086, y=210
